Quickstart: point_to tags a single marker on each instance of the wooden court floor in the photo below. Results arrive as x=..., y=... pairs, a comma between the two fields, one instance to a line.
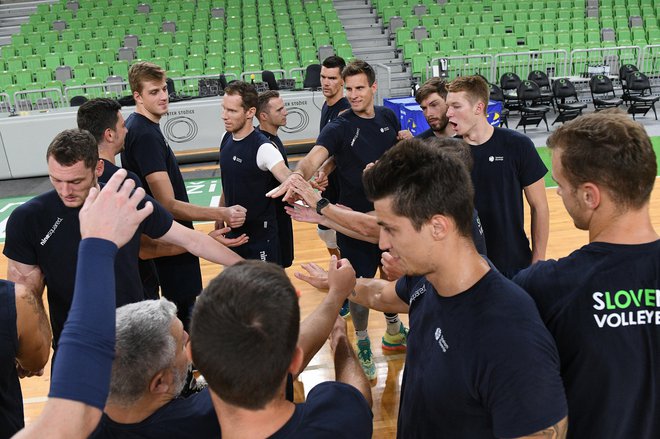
x=386, y=387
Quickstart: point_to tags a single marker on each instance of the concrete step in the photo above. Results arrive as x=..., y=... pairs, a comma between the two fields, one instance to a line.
x=353, y=10
x=375, y=41
x=364, y=30
x=348, y=3
x=364, y=20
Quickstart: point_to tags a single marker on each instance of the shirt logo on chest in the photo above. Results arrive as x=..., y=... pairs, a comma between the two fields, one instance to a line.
x=441, y=340
x=237, y=159
x=384, y=129
x=496, y=158
x=51, y=231
x=357, y=134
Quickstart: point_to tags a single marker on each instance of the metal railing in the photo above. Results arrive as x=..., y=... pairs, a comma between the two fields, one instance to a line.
x=453, y=66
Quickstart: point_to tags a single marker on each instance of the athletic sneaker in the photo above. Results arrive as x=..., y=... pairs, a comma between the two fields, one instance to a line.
x=364, y=355
x=345, y=311
x=396, y=342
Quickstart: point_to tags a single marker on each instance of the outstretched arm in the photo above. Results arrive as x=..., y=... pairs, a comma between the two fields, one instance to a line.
x=200, y=244
x=161, y=187
x=314, y=330
x=376, y=294
x=306, y=168
x=347, y=365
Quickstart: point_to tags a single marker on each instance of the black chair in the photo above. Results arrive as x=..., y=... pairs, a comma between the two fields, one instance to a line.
x=496, y=94
x=602, y=93
x=566, y=100
x=641, y=97
x=312, y=77
x=77, y=101
x=509, y=83
x=624, y=71
x=531, y=113
x=542, y=80
x=269, y=78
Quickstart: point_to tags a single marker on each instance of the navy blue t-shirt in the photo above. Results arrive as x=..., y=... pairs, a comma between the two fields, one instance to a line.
x=146, y=267
x=109, y=170
x=192, y=417
x=428, y=134
x=332, y=410
x=479, y=364
x=330, y=112
x=146, y=151
x=11, y=398
x=46, y=233
x=503, y=166
x=284, y=223
x=602, y=305
x=355, y=142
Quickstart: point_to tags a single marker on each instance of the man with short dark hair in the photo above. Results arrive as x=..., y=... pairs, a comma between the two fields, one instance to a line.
x=103, y=119
x=356, y=138
x=271, y=114
x=506, y=166
x=601, y=303
x=148, y=154
x=81, y=374
x=250, y=166
x=251, y=309
x=43, y=233
x=480, y=363
x=432, y=97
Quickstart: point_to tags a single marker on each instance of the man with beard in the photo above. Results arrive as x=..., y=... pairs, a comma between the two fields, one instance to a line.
x=432, y=97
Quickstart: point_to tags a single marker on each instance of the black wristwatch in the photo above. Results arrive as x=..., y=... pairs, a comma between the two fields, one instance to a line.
x=322, y=203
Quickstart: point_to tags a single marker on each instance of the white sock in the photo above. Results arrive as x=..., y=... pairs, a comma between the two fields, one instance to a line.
x=362, y=335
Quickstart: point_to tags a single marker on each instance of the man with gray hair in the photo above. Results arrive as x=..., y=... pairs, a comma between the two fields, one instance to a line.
x=148, y=374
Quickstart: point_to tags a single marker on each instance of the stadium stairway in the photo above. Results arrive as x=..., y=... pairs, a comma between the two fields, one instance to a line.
x=370, y=43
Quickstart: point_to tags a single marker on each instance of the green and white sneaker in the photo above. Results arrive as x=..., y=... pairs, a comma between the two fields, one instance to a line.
x=366, y=361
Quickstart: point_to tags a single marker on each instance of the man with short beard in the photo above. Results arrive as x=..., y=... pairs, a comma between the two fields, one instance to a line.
x=432, y=97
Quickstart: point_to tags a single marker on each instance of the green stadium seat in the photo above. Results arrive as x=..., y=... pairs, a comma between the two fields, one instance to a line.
x=214, y=60
x=196, y=62
x=15, y=63
x=120, y=68
x=101, y=70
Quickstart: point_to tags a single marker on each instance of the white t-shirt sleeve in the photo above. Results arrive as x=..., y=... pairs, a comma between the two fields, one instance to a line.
x=268, y=156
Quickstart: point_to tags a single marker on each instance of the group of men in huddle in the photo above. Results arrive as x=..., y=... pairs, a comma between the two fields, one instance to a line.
x=501, y=343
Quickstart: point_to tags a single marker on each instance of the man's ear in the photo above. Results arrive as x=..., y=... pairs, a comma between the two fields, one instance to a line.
x=100, y=166
x=296, y=361
x=590, y=195
x=160, y=382
x=439, y=226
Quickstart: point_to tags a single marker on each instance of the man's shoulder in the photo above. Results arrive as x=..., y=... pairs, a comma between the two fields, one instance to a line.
x=40, y=203
x=512, y=137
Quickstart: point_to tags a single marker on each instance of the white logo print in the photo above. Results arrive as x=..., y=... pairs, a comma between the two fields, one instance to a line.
x=357, y=134
x=51, y=231
x=441, y=339
x=496, y=159
x=382, y=130
x=237, y=159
